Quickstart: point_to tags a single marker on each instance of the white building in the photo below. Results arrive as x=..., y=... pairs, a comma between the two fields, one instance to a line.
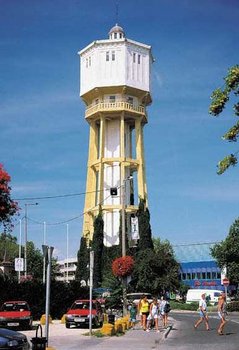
x=67, y=269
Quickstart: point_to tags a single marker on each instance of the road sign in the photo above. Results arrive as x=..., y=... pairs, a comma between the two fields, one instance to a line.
x=225, y=282
x=19, y=264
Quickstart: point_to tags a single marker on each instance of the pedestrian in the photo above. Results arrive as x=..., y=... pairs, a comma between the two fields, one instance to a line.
x=202, y=312
x=164, y=310
x=133, y=315
x=153, y=315
x=144, y=310
x=222, y=312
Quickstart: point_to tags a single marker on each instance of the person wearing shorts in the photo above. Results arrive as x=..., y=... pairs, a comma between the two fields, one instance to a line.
x=221, y=309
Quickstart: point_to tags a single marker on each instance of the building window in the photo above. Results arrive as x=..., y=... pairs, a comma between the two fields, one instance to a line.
x=184, y=276
x=208, y=275
x=203, y=275
x=139, y=59
x=188, y=276
x=198, y=275
x=96, y=101
x=107, y=56
x=214, y=275
x=193, y=275
x=113, y=55
x=130, y=99
x=115, y=35
x=112, y=99
x=218, y=275
x=87, y=63
x=120, y=35
x=134, y=57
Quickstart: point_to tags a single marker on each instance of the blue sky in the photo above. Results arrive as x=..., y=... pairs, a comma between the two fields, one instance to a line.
x=44, y=137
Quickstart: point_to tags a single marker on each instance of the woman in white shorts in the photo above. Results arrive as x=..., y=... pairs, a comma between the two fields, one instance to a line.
x=153, y=315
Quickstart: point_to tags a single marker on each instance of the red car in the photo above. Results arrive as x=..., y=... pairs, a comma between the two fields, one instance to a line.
x=79, y=314
x=15, y=314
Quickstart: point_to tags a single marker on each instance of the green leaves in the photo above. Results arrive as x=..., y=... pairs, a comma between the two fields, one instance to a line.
x=225, y=163
x=220, y=97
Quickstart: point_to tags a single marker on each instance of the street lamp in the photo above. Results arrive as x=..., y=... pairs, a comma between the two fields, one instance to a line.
x=123, y=193
x=25, y=248
x=124, y=281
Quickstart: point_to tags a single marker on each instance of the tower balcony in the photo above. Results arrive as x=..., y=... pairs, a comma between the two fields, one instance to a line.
x=119, y=106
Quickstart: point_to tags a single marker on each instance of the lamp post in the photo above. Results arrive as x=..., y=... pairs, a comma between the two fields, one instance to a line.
x=25, y=247
x=123, y=193
x=124, y=281
x=47, y=252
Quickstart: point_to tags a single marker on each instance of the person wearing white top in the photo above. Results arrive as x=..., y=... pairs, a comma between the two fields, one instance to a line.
x=202, y=312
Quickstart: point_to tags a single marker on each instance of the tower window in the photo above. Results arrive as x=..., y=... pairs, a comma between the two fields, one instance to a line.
x=115, y=35
x=112, y=99
x=139, y=59
x=134, y=57
x=113, y=55
x=107, y=56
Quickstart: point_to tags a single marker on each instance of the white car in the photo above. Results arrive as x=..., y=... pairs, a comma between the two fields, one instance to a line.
x=135, y=297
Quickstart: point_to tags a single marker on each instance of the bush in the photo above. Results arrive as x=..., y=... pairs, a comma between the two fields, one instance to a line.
x=233, y=306
x=183, y=306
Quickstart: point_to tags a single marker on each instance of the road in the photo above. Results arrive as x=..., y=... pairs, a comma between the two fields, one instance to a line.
x=181, y=337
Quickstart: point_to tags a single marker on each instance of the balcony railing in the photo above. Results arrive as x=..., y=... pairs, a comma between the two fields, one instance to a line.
x=115, y=106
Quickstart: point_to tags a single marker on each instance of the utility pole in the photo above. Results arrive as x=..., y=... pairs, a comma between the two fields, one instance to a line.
x=26, y=234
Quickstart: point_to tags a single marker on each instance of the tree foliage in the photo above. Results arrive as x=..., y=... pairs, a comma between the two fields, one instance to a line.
x=226, y=253
x=97, y=247
x=220, y=98
x=8, y=207
x=145, y=234
x=8, y=247
x=83, y=260
x=155, y=271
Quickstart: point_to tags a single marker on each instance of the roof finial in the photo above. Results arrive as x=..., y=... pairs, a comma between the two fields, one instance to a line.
x=116, y=12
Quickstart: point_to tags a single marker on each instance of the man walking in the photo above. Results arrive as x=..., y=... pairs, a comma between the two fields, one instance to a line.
x=221, y=308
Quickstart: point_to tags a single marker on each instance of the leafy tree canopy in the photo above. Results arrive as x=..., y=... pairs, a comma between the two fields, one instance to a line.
x=8, y=247
x=220, y=98
x=8, y=208
x=226, y=253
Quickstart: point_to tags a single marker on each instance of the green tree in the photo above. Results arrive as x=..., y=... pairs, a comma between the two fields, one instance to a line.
x=226, y=253
x=145, y=235
x=8, y=207
x=220, y=97
x=155, y=271
x=8, y=247
x=83, y=260
x=97, y=247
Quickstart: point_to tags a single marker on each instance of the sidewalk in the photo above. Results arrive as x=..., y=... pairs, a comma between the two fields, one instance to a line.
x=131, y=340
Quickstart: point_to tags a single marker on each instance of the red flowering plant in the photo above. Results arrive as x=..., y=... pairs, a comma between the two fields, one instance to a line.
x=123, y=266
x=8, y=207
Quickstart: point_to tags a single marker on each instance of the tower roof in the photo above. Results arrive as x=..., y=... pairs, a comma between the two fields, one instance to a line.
x=116, y=32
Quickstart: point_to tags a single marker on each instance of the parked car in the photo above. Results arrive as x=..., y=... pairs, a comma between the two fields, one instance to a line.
x=135, y=297
x=212, y=295
x=79, y=314
x=15, y=314
x=10, y=339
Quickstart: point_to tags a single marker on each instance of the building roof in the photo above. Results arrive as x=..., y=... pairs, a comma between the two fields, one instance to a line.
x=193, y=252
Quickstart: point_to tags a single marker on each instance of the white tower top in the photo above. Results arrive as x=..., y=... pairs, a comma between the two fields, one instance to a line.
x=115, y=62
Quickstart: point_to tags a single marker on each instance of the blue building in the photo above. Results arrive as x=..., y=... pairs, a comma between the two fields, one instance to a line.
x=198, y=269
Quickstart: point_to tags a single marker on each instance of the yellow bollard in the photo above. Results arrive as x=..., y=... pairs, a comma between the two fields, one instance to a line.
x=107, y=329
x=63, y=319
x=43, y=319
